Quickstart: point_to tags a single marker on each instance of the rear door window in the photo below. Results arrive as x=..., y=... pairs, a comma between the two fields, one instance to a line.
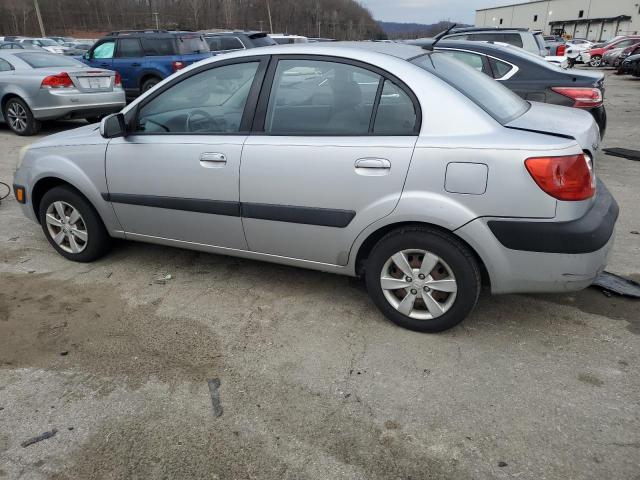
x=231, y=43
x=190, y=44
x=311, y=97
x=5, y=66
x=157, y=47
x=474, y=60
x=396, y=114
x=513, y=39
x=129, y=47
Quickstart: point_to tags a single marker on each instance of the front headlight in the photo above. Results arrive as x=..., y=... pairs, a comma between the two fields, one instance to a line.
x=21, y=154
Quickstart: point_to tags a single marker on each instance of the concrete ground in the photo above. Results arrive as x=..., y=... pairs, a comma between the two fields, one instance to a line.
x=314, y=382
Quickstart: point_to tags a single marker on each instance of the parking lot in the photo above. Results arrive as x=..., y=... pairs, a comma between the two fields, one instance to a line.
x=313, y=381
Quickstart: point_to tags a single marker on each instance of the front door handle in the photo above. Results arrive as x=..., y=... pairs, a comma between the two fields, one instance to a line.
x=213, y=160
x=136, y=64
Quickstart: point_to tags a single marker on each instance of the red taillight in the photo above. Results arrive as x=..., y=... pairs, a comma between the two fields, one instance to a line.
x=61, y=80
x=560, y=50
x=583, y=97
x=177, y=65
x=565, y=178
x=118, y=80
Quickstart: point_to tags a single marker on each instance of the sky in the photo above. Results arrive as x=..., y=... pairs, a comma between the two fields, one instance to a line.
x=429, y=11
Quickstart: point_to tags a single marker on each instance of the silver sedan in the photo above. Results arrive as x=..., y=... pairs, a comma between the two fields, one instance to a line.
x=37, y=86
x=404, y=166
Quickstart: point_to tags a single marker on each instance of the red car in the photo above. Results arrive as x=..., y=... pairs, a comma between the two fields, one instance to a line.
x=594, y=57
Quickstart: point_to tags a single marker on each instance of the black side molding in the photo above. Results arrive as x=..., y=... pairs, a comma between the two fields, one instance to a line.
x=325, y=217
x=587, y=234
x=216, y=207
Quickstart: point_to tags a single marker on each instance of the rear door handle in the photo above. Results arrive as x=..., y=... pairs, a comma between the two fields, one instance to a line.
x=136, y=64
x=213, y=160
x=379, y=163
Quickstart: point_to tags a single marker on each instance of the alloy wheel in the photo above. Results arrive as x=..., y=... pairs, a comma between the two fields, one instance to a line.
x=17, y=117
x=596, y=61
x=418, y=284
x=66, y=227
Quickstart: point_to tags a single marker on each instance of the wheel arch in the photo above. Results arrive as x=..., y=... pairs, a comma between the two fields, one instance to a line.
x=365, y=248
x=147, y=75
x=8, y=96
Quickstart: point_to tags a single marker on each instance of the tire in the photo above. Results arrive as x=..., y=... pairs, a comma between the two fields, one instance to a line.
x=595, y=61
x=150, y=83
x=20, y=119
x=97, y=241
x=454, y=262
x=571, y=62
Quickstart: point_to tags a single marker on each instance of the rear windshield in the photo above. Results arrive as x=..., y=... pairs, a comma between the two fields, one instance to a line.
x=192, y=44
x=45, y=60
x=493, y=97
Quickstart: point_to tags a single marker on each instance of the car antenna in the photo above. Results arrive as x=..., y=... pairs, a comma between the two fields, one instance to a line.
x=439, y=36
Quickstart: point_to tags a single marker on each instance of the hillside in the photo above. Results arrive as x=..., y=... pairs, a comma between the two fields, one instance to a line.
x=414, y=30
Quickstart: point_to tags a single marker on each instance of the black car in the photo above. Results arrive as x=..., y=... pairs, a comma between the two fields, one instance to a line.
x=220, y=42
x=631, y=65
x=530, y=76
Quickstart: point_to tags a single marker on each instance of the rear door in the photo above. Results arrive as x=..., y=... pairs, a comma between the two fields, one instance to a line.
x=176, y=176
x=329, y=154
x=128, y=60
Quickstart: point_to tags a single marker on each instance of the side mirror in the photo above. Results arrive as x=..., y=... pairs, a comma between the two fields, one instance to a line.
x=113, y=126
x=86, y=56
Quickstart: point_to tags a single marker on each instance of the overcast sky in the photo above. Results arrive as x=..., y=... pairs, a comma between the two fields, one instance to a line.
x=429, y=11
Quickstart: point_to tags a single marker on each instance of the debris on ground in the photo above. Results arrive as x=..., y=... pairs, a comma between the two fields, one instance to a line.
x=214, y=393
x=623, y=152
x=39, y=438
x=612, y=283
x=502, y=464
x=162, y=278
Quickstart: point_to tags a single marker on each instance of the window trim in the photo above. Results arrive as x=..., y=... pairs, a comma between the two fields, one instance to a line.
x=259, y=120
x=514, y=68
x=249, y=107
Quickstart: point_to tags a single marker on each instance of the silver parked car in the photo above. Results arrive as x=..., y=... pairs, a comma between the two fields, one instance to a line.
x=383, y=160
x=37, y=86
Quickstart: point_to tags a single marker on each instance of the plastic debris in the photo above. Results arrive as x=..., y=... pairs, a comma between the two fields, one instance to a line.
x=39, y=438
x=612, y=283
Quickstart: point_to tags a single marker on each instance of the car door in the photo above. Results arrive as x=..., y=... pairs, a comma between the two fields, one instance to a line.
x=101, y=55
x=127, y=61
x=328, y=156
x=176, y=175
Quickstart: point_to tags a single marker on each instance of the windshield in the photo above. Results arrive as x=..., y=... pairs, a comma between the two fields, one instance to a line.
x=48, y=42
x=493, y=97
x=45, y=60
x=192, y=44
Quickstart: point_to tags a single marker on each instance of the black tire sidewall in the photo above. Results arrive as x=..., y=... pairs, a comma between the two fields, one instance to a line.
x=33, y=125
x=149, y=84
x=98, y=239
x=460, y=260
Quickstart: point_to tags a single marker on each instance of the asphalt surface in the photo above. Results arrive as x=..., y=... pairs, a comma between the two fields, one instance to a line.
x=308, y=380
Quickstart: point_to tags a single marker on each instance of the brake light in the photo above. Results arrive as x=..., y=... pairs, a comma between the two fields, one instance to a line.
x=568, y=177
x=560, y=50
x=118, y=80
x=583, y=97
x=177, y=65
x=61, y=80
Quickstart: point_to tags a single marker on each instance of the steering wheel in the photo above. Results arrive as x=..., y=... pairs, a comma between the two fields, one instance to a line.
x=189, y=123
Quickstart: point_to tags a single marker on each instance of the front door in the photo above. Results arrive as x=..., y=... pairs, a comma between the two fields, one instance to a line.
x=176, y=175
x=101, y=56
x=329, y=157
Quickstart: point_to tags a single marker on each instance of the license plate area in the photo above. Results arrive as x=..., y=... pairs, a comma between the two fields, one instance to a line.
x=94, y=83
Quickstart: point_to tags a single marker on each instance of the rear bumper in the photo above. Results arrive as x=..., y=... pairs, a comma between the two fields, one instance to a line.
x=525, y=256
x=51, y=105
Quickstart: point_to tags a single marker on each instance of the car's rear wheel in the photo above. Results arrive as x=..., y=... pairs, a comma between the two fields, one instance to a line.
x=72, y=225
x=423, y=279
x=595, y=61
x=20, y=118
x=149, y=84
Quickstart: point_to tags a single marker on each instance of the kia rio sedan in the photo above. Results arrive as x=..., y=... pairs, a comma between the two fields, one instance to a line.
x=386, y=161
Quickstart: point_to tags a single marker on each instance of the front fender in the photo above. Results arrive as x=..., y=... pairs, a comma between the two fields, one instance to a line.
x=74, y=166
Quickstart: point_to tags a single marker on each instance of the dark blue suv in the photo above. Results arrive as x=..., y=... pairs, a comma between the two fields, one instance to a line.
x=145, y=57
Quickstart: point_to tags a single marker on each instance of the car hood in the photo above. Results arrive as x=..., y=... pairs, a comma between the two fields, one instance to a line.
x=560, y=121
x=85, y=135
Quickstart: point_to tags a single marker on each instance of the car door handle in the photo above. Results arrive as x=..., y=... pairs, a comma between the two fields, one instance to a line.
x=382, y=163
x=136, y=64
x=213, y=160
x=104, y=65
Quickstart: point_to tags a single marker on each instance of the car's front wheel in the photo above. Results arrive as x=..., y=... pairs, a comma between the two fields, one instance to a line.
x=423, y=279
x=72, y=225
x=595, y=61
x=20, y=117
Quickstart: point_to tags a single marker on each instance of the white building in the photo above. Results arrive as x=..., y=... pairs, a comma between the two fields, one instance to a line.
x=592, y=19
